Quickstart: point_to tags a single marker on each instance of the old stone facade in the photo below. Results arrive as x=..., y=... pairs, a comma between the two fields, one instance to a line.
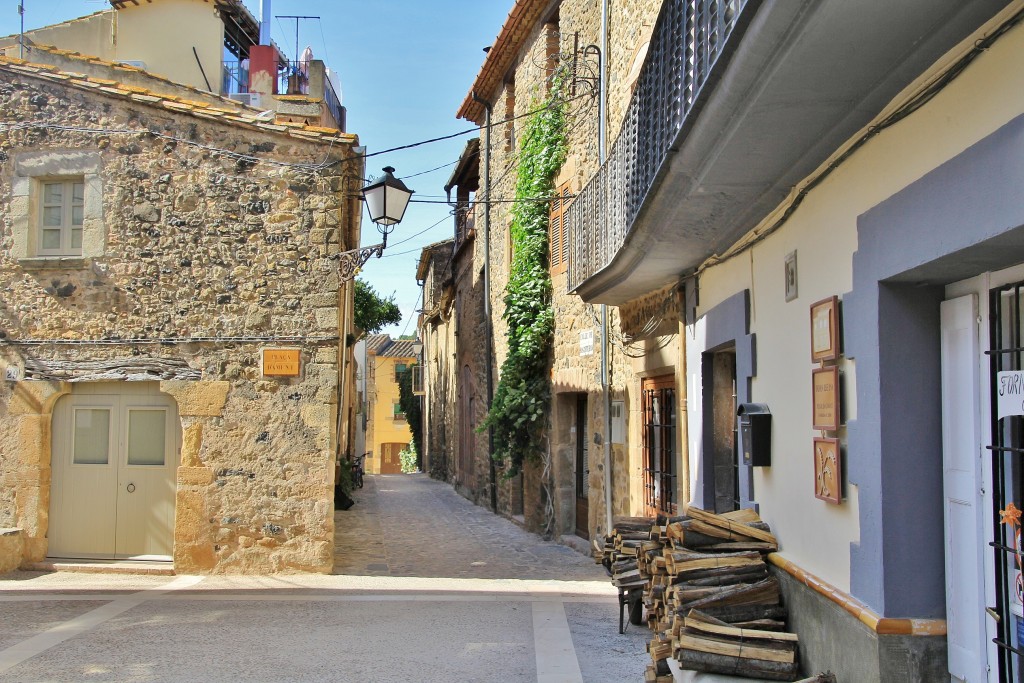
x=534, y=49
x=209, y=242
x=440, y=380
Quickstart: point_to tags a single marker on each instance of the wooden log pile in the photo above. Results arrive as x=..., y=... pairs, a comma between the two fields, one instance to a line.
x=709, y=598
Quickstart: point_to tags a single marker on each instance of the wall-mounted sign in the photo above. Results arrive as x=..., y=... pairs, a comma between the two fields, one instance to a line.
x=281, y=362
x=825, y=395
x=789, y=269
x=1010, y=393
x=586, y=342
x=828, y=482
x=825, y=329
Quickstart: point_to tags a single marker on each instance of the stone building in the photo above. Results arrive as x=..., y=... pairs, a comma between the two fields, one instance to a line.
x=595, y=464
x=437, y=332
x=173, y=322
x=387, y=430
x=840, y=232
x=223, y=54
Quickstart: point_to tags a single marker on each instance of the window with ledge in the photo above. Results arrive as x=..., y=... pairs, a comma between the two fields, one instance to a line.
x=56, y=207
x=61, y=216
x=400, y=368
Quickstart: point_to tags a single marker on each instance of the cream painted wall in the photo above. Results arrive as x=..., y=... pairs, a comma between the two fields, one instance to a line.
x=162, y=34
x=814, y=534
x=91, y=35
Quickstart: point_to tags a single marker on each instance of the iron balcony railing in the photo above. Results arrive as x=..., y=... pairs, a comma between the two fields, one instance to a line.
x=235, y=79
x=687, y=40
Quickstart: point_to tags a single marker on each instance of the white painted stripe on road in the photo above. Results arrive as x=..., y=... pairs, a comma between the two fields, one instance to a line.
x=256, y=596
x=552, y=642
x=16, y=654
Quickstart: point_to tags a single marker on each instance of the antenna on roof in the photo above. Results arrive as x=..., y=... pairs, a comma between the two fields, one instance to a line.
x=21, y=35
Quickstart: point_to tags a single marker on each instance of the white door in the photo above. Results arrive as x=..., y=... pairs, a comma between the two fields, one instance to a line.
x=114, y=458
x=962, y=472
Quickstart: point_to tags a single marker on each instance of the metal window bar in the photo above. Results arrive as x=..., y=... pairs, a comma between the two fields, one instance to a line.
x=1005, y=329
x=659, y=438
x=688, y=39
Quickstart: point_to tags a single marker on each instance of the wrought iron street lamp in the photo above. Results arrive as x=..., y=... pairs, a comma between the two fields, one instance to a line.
x=386, y=199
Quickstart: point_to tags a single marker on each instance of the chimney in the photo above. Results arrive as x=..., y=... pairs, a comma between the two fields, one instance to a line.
x=263, y=57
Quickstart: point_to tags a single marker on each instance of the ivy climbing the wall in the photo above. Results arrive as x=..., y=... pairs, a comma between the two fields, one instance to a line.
x=522, y=399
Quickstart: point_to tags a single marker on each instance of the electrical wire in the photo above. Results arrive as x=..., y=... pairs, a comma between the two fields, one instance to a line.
x=436, y=168
x=249, y=158
x=410, y=237
x=414, y=306
x=170, y=341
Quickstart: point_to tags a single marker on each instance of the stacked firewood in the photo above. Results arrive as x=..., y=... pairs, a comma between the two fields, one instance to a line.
x=709, y=598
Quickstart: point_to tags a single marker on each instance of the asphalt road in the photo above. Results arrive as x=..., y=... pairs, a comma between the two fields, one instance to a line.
x=427, y=587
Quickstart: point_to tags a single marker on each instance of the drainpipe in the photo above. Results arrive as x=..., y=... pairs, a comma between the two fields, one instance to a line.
x=602, y=134
x=488, y=107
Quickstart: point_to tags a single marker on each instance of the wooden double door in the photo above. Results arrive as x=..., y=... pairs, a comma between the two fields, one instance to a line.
x=114, y=455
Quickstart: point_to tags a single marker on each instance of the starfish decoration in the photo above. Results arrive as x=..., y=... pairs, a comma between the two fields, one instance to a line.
x=1011, y=515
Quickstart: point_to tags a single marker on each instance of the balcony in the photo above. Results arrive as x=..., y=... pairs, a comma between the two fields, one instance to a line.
x=737, y=102
x=307, y=79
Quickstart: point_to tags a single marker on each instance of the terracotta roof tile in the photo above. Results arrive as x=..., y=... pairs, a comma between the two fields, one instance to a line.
x=241, y=114
x=521, y=20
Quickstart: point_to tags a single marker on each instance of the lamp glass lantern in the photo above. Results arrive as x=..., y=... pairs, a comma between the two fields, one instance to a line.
x=386, y=199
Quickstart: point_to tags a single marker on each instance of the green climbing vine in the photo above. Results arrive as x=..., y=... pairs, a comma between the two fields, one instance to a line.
x=518, y=413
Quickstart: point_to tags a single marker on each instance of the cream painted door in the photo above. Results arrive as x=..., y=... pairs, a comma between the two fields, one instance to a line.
x=962, y=474
x=114, y=461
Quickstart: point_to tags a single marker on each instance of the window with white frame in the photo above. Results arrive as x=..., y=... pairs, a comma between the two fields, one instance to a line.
x=61, y=212
x=56, y=207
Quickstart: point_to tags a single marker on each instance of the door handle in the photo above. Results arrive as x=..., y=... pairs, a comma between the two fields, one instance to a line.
x=130, y=488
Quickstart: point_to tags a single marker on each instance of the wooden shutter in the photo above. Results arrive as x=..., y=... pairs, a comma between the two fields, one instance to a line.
x=558, y=229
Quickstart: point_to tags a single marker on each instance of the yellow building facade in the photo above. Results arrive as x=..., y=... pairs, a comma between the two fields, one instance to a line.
x=387, y=431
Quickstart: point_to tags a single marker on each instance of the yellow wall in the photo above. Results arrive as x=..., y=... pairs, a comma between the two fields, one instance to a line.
x=383, y=394
x=92, y=35
x=161, y=34
x=813, y=534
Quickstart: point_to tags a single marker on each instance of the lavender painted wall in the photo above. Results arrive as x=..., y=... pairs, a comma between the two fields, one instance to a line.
x=961, y=219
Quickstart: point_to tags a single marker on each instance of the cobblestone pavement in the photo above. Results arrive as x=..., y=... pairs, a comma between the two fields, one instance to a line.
x=411, y=525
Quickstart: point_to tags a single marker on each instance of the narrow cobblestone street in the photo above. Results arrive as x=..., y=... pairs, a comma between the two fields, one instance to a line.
x=411, y=525
x=427, y=587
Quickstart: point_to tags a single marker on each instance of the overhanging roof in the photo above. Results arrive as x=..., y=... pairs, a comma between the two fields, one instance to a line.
x=503, y=54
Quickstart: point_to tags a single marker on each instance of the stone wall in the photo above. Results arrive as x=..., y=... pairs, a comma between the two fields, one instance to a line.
x=198, y=246
x=545, y=52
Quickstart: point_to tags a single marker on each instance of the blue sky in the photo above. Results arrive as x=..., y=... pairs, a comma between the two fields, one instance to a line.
x=405, y=67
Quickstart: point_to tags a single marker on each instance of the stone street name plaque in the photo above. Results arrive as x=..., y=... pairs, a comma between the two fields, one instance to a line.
x=281, y=362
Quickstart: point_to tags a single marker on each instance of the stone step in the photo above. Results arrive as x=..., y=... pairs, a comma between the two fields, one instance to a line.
x=102, y=567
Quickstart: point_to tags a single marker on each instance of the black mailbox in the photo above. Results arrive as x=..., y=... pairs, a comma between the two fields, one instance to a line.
x=755, y=434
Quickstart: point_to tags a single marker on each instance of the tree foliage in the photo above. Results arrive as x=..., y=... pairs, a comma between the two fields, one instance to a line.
x=372, y=311
x=522, y=399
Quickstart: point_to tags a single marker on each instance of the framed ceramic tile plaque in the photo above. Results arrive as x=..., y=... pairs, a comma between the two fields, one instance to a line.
x=825, y=397
x=825, y=330
x=828, y=483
